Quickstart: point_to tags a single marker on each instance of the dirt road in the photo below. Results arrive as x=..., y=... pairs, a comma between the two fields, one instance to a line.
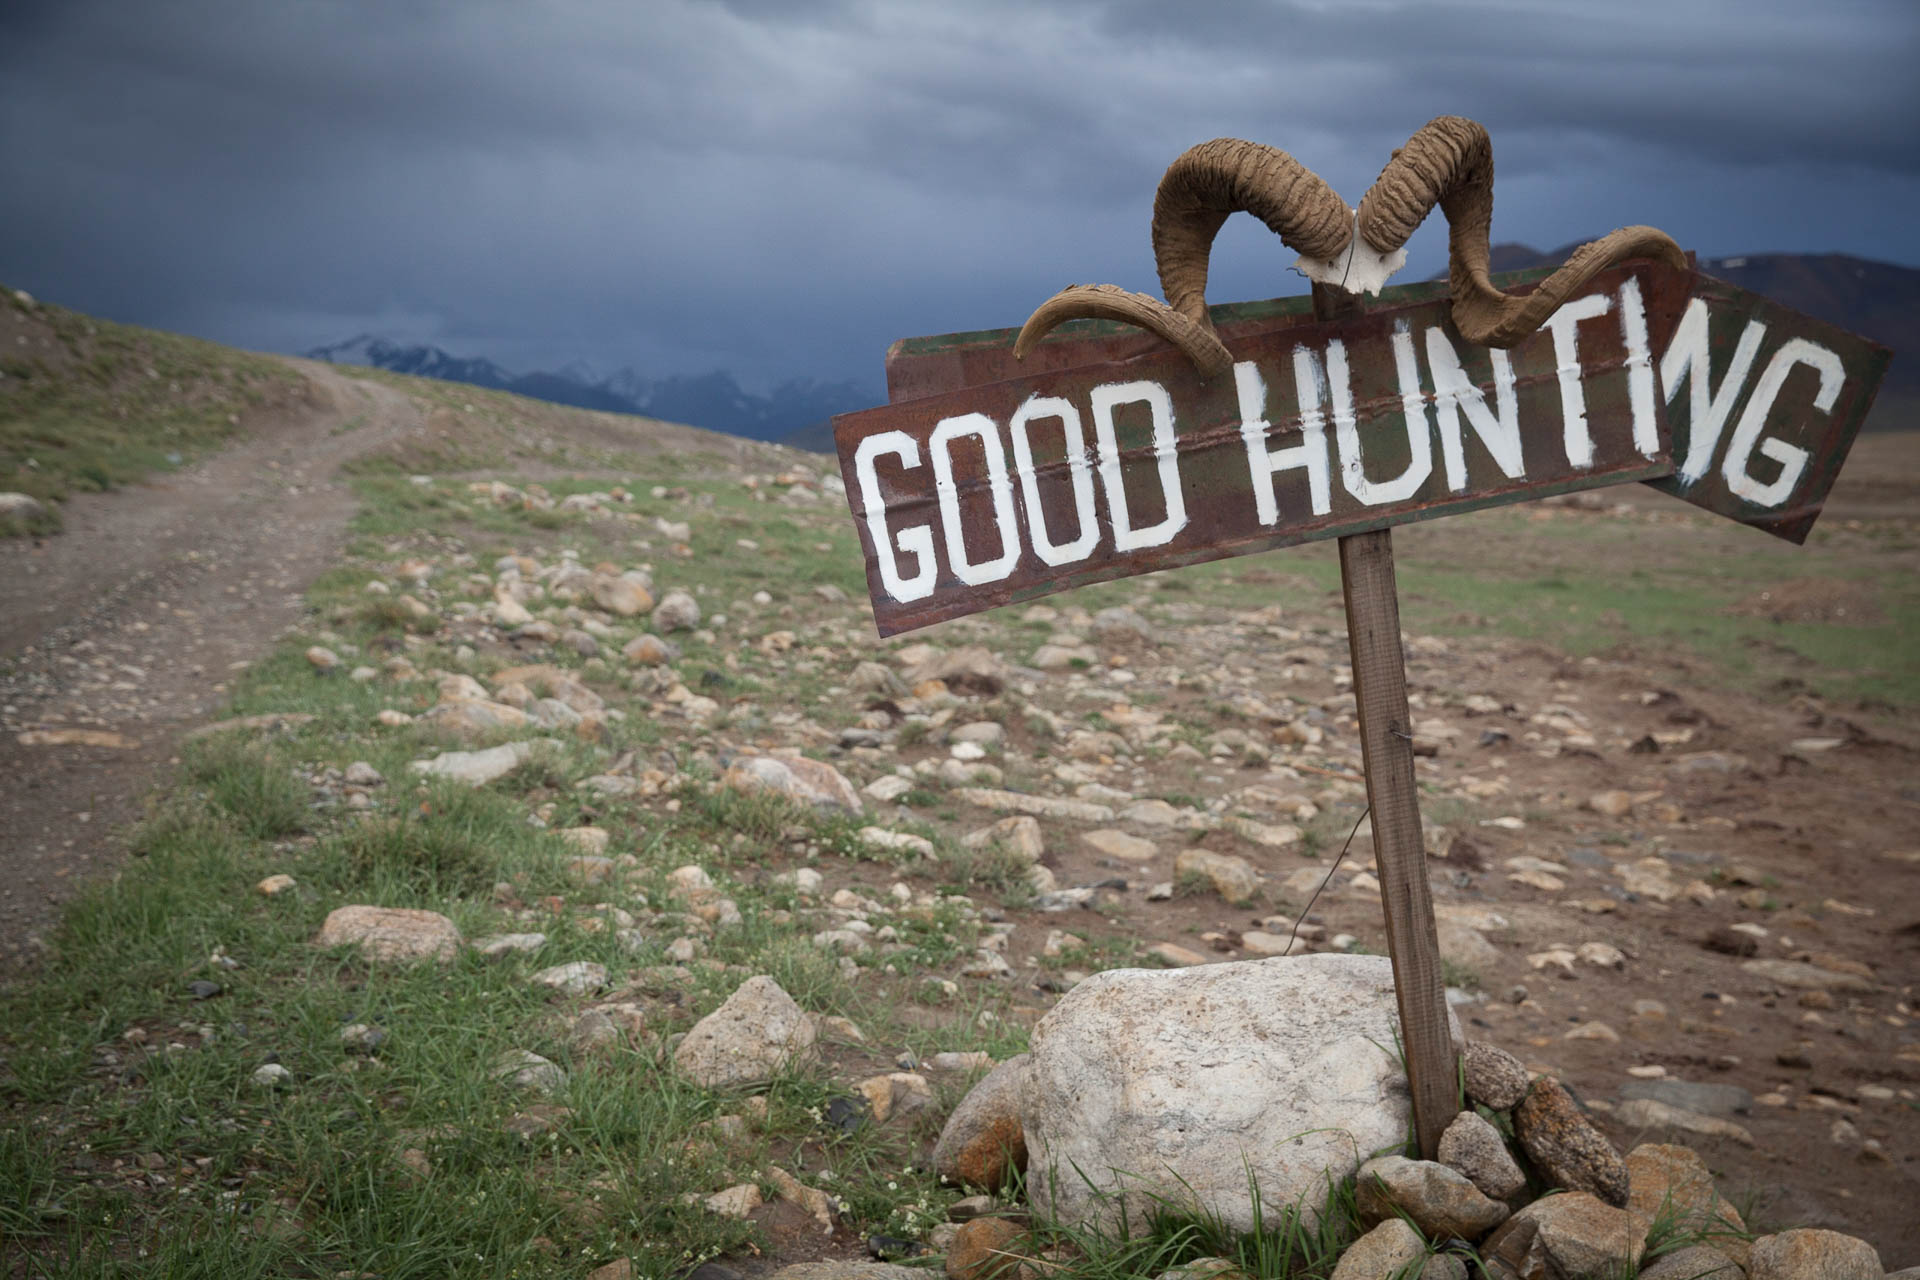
x=130, y=623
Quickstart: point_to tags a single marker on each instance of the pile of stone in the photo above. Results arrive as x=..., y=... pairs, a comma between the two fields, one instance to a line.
x=1145, y=1090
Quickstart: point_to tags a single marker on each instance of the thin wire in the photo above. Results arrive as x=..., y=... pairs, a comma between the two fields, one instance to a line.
x=1364, y=811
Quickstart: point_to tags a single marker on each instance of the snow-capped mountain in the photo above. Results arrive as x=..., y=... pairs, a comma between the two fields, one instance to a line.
x=712, y=400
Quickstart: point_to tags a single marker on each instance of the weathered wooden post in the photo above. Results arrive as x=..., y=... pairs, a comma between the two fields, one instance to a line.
x=1393, y=804
x=1010, y=465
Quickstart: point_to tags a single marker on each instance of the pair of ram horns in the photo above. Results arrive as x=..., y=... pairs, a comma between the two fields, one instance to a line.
x=1448, y=163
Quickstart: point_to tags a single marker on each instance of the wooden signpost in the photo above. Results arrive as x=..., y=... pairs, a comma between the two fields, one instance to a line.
x=989, y=480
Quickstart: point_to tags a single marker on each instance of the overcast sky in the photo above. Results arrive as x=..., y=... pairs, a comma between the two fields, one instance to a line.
x=780, y=188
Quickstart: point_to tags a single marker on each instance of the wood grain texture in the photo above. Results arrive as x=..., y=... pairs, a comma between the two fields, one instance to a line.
x=1386, y=745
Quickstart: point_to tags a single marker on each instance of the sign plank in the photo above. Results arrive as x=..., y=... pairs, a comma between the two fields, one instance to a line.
x=1805, y=421
x=983, y=495
x=1765, y=403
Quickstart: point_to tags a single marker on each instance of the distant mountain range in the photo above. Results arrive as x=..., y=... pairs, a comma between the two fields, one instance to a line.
x=1877, y=300
x=800, y=407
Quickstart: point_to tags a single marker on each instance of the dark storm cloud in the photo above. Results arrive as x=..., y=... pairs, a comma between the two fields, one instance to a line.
x=780, y=188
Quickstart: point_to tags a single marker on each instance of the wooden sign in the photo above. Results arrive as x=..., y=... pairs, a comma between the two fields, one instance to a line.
x=1763, y=402
x=988, y=480
x=981, y=495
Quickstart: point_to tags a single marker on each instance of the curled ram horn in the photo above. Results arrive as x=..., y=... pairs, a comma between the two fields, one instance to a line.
x=1110, y=302
x=1226, y=176
x=1449, y=162
x=1199, y=191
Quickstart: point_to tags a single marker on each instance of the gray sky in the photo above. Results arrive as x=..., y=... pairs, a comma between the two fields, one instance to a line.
x=781, y=188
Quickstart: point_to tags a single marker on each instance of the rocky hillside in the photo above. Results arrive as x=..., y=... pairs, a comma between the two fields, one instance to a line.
x=579, y=881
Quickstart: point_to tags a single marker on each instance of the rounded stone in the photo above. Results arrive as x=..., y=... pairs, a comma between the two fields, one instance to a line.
x=1495, y=1077
x=980, y=1248
x=1178, y=1086
x=1812, y=1254
x=1565, y=1147
x=1473, y=1148
x=983, y=1144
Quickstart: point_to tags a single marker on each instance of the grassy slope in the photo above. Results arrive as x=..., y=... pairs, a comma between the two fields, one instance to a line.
x=157, y=1160
x=145, y=1159
x=89, y=405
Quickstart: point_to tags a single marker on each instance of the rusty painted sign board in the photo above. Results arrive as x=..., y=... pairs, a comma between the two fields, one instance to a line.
x=1065, y=472
x=1764, y=402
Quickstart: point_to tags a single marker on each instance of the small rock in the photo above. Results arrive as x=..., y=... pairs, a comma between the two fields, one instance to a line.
x=362, y=774
x=971, y=1207
x=1593, y=1031
x=793, y=1191
x=476, y=768
x=895, y=841
x=985, y=732
x=588, y=840
x=887, y=788
x=1703, y=1098
x=1494, y=1077
x=1696, y=1262
x=1383, y=1251
x=973, y=669
x=1118, y=844
x=322, y=659
x=1730, y=941
x=272, y=1076
x=1796, y=973
x=500, y=944
x=1229, y=875
x=21, y=507
x=1672, y=1180
x=362, y=1037
x=1564, y=1145
x=981, y=1249
x=524, y=1069
x=749, y=1039
x=621, y=596
x=1019, y=835
x=1602, y=955
x=1440, y=1201
x=677, y=611
x=1613, y=804
x=648, y=650
x=1647, y=1113
x=1473, y=1148
x=1813, y=1254
x=391, y=933
x=735, y=1202
x=798, y=778
x=274, y=884
x=1571, y=1235
x=982, y=1144
x=1175, y=955
x=576, y=978
x=594, y=1031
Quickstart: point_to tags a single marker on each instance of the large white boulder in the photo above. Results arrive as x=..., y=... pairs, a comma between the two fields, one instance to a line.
x=1172, y=1087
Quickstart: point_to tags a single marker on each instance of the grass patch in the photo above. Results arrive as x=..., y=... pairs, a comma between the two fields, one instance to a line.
x=87, y=405
x=255, y=788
